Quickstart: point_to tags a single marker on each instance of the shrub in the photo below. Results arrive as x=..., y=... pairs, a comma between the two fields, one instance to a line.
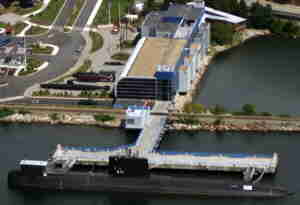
x=121, y=56
x=284, y=115
x=103, y=118
x=249, y=109
x=218, y=109
x=54, y=116
x=188, y=120
x=4, y=112
x=218, y=121
x=193, y=108
x=24, y=111
x=266, y=114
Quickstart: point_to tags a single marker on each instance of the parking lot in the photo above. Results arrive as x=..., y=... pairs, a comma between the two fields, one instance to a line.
x=12, y=52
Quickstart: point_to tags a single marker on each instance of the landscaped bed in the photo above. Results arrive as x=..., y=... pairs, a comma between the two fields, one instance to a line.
x=121, y=56
x=32, y=65
x=97, y=41
x=35, y=30
x=48, y=15
x=75, y=12
x=37, y=49
x=18, y=27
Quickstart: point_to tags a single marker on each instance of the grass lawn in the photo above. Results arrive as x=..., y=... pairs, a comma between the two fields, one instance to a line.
x=18, y=27
x=97, y=41
x=121, y=56
x=36, y=49
x=48, y=15
x=75, y=12
x=35, y=30
x=3, y=25
x=102, y=15
x=32, y=64
x=15, y=8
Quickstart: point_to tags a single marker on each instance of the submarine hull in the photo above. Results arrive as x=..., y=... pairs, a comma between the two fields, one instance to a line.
x=151, y=185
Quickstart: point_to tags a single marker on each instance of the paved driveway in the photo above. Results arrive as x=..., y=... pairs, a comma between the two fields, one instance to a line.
x=59, y=64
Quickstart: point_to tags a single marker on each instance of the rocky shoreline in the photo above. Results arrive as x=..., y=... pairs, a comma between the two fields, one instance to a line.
x=219, y=124
x=62, y=118
x=211, y=123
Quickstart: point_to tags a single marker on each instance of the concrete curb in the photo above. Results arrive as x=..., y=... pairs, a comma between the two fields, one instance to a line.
x=23, y=32
x=94, y=12
x=41, y=67
x=11, y=98
x=55, y=48
x=78, y=15
x=44, y=6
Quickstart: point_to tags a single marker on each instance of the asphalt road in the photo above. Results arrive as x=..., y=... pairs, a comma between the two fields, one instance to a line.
x=63, y=15
x=85, y=14
x=59, y=64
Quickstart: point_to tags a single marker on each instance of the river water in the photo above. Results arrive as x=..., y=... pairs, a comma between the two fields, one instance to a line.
x=37, y=141
x=263, y=71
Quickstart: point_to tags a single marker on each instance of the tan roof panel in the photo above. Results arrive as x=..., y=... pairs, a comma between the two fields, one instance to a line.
x=156, y=51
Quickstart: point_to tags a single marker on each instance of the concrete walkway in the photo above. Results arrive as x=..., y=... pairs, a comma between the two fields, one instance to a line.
x=109, y=47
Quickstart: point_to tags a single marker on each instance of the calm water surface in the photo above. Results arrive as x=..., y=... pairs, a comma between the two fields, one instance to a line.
x=263, y=71
x=36, y=141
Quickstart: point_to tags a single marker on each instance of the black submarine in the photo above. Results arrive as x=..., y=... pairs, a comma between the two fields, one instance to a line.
x=128, y=174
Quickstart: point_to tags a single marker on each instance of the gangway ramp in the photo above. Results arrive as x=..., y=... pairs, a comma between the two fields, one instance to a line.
x=150, y=136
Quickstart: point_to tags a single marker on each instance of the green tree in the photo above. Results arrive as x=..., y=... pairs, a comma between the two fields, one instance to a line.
x=165, y=4
x=222, y=33
x=218, y=109
x=148, y=7
x=243, y=9
x=276, y=26
x=261, y=16
x=249, y=109
x=290, y=29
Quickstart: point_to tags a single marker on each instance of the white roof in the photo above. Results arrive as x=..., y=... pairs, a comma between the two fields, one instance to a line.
x=137, y=112
x=220, y=15
x=33, y=162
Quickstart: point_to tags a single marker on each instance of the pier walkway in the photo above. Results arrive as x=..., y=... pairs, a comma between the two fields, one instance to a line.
x=147, y=143
x=150, y=136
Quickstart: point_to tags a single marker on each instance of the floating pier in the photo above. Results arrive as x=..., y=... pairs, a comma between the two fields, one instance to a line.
x=147, y=143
